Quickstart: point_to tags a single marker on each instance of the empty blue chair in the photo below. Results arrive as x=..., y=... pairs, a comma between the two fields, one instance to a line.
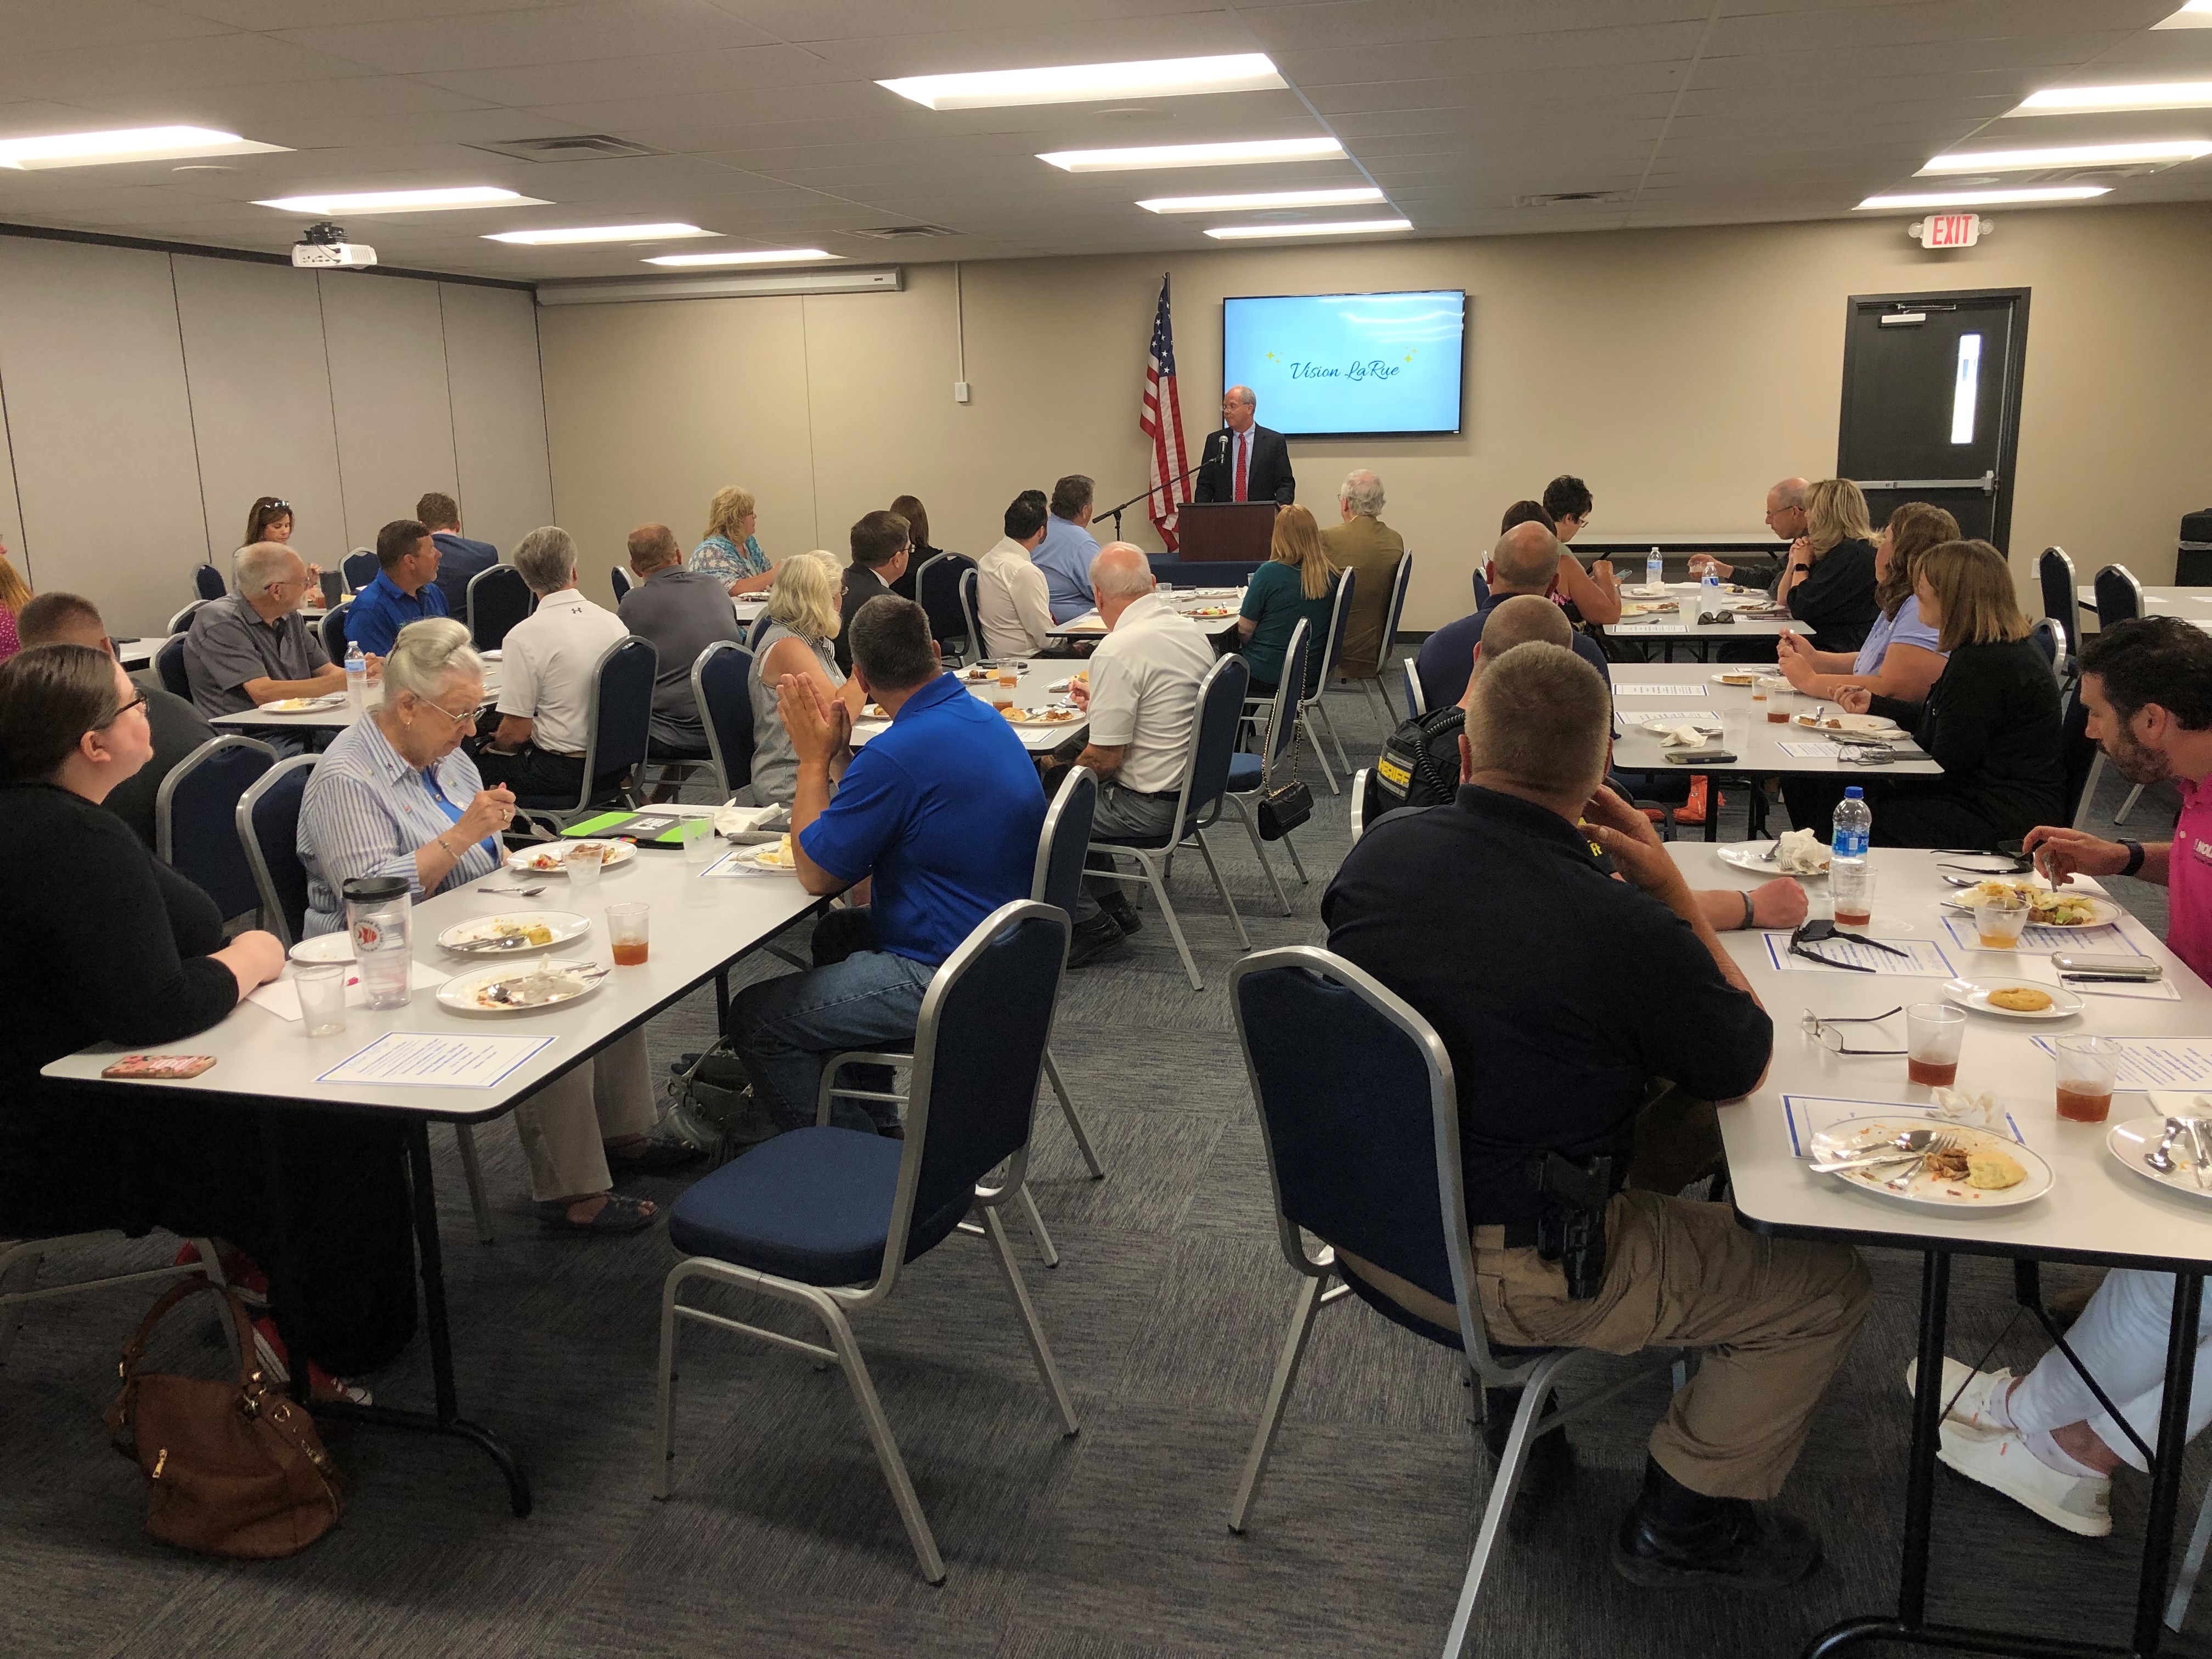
x=2119, y=598
x=169, y=667
x=2061, y=592
x=361, y=567
x=208, y=582
x=1251, y=776
x=1310, y=705
x=970, y=603
x=824, y=1218
x=196, y=820
x=718, y=686
x=622, y=583
x=1058, y=881
x=498, y=598
x=1205, y=776
x=334, y=631
x=269, y=831
x=937, y=590
x=618, y=736
x=1359, y=1115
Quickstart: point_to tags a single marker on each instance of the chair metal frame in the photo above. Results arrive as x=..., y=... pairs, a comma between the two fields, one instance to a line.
x=1360, y=781
x=970, y=648
x=621, y=581
x=1392, y=613
x=164, y=839
x=971, y=599
x=2051, y=633
x=274, y=920
x=19, y=1263
x=359, y=567
x=183, y=619
x=721, y=761
x=1312, y=708
x=1276, y=720
x=1536, y=1375
x=169, y=666
x=2118, y=591
x=501, y=575
x=1156, y=864
x=1416, y=704
x=2062, y=593
x=588, y=799
x=333, y=628
x=832, y=1304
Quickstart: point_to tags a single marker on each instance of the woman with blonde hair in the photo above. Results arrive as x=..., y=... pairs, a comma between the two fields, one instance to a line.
x=1901, y=657
x=729, y=549
x=1298, y=580
x=14, y=594
x=1990, y=721
x=1828, y=582
x=804, y=602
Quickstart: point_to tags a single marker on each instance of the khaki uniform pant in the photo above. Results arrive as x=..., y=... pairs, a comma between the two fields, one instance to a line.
x=565, y=1125
x=1773, y=1317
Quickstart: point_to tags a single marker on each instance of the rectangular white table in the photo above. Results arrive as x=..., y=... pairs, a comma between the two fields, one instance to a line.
x=2189, y=604
x=1681, y=626
x=1628, y=551
x=138, y=653
x=1190, y=601
x=2096, y=1213
x=264, y=1064
x=1747, y=733
x=1037, y=674
x=337, y=716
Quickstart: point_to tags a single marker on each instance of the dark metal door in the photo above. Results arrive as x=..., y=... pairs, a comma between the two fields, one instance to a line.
x=1931, y=404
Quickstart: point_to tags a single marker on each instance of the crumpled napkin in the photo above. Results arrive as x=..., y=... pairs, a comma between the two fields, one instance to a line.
x=733, y=820
x=1799, y=853
x=1678, y=737
x=1962, y=1106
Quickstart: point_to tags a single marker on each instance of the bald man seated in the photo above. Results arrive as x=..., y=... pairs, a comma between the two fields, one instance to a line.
x=1525, y=559
x=1420, y=765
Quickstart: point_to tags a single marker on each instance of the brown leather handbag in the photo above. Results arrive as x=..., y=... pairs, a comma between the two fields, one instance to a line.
x=231, y=1468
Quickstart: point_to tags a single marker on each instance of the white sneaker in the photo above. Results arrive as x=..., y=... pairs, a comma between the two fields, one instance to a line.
x=2001, y=1461
x=1966, y=1393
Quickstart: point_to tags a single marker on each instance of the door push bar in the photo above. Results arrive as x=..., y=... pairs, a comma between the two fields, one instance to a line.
x=1987, y=484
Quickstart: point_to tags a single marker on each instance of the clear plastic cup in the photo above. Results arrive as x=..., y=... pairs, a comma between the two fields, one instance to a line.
x=1999, y=922
x=2088, y=1068
x=1850, y=886
x=584, y=875
x=630, y=930
x=701, y=844
x=322, y=988
x=1933, y=1034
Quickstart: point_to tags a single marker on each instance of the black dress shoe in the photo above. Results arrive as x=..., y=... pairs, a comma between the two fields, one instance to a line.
x=1674, y=1538
x=1092, y=939
x=1125, y=915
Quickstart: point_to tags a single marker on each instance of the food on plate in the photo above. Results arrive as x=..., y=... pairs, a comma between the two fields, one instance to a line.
x=2021, y=999
x=536, y=932
x=779, y=856
x=530, y=990
x=976, y=675
x=1991, y=1170
x=1953, y=1165
x=876, y=711
x=1211, y=610
x=1737, y=679
x=2049, y=908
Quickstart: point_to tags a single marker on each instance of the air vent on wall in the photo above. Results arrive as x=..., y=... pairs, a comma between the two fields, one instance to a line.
x=575, y=147
x=1571, y=198
x=902, y=233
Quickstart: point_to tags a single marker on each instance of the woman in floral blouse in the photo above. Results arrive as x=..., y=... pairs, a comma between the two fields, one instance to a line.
x=730, y=550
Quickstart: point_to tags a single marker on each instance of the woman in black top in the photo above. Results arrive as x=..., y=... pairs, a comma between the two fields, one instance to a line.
x=1828, y=583
x=100, y=943
x=920, y=552
x=1991, y=720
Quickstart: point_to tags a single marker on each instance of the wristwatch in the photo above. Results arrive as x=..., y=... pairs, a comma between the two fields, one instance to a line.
x=2135, y=856
x=1746, y=908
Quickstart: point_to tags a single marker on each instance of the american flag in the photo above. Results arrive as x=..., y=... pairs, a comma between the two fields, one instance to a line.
x=1161, y=420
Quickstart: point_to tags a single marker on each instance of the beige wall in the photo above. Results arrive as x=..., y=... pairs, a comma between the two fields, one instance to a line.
x=1679, y=372
x=149, y=397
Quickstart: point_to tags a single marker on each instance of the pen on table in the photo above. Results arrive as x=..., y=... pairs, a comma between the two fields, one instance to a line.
x=2106, y=979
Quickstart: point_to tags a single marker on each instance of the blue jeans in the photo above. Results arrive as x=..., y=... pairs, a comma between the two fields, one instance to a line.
x=854, y=997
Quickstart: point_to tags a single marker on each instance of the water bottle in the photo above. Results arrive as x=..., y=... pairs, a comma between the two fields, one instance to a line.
x=1654, y=570
x=357, y=673
x=1850, y=875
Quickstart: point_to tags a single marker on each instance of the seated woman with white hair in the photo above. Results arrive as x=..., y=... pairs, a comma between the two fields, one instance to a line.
x=804, y=604
x=396, y=795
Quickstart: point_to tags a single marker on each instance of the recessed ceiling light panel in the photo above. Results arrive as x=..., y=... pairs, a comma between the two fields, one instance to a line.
x=1958, y=198
x=1240, y=154
x=1262, y=199
x=2091, y=100
x=1086, y=83
x=84, y=150
x=2071, y=155
x=598, y=234
x=405, y=201
x=1336, y=227
x=773, y=256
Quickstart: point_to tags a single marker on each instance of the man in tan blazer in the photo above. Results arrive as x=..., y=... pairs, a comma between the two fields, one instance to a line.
x=1364, y=544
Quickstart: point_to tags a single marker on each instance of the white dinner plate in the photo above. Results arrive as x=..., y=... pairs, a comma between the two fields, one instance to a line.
x=1734, y=677
x=1067, y=716
x=2128, y=1142
x=324, y=947
x=1925, y=1188
x=465, y=993
x=302, y=705
x=2102, y=911
x=479, y=937
x=1865, y=724
x=525, y=860
x=767, y=855
x=1974, y=993
x=1758, y=856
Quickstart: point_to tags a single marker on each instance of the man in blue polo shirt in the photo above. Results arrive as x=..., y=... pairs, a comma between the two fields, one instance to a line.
x=405, y=589
x=942, y=810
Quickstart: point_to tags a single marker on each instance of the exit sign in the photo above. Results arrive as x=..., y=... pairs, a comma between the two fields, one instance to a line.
x=1947, y=230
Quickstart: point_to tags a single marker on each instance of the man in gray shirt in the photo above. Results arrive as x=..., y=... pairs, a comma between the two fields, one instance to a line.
x=679, y=613
x=254, y=647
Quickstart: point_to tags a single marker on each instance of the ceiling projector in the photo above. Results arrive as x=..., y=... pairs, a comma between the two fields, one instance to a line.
x=326, y=249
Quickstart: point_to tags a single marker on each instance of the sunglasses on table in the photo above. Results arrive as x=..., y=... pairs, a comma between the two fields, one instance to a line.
x=1820, y=931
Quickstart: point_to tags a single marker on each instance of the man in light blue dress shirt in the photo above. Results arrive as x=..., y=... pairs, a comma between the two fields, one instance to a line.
x=1068, y=548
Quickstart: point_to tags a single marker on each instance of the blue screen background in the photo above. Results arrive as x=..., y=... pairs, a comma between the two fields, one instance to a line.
x=1348, y=362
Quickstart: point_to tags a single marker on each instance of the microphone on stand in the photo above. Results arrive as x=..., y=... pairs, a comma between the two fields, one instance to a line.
x=1115, y=513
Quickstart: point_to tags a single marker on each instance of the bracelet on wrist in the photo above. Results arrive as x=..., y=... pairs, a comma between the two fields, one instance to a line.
x=2135, y=856
x=1746, y=908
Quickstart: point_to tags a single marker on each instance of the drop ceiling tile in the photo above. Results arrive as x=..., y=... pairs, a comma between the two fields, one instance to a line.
x=1829, y=27
x=1549, y=90
x=1493, y=55
x=157, y=67
x=1355, y=25
x=723, y=71
x=302, y=14
x=845, y=20
x=55, y=25
x=1037, y=42
x=548, y=34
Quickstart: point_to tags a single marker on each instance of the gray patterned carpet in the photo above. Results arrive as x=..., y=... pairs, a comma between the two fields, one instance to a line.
x=1166, y=1314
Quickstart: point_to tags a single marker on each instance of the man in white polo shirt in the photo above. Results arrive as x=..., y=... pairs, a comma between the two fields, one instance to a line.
x=546, y=665
x=1142, y=697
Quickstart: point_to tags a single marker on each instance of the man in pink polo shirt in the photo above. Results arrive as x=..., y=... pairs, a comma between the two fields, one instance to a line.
x=2045, y=1440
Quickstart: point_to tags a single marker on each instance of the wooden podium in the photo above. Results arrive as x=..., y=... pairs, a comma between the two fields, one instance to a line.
x=1225, y=531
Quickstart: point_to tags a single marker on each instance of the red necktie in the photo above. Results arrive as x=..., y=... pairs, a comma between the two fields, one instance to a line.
x=1243, y=456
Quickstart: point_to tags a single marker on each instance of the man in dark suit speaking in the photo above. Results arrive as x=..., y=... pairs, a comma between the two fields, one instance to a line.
x=1246, y=463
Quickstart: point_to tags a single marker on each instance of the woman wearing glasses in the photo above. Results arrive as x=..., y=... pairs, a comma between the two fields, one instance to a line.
x=396, y=795
x=103, y=944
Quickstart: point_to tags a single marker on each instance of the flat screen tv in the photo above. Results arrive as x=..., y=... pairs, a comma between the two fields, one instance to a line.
x=1349, y=365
